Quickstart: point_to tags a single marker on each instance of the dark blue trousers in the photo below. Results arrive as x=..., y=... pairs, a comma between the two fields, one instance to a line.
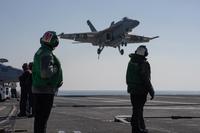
x=137, y=120
x=42, y=109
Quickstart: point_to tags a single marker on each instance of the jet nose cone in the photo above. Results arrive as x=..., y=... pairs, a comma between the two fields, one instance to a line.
x=136, y=22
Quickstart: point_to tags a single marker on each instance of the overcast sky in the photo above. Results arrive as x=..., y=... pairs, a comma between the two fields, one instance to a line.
x=174, y=57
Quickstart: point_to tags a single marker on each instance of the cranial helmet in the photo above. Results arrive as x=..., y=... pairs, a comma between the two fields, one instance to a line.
x=30, y=65
x=50, y=39
x=142, y=50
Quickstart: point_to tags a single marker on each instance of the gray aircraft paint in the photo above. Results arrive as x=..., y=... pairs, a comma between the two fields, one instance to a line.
x=114, y=36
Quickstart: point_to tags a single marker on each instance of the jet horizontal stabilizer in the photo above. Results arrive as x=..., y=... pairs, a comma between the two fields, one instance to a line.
x=154, y=37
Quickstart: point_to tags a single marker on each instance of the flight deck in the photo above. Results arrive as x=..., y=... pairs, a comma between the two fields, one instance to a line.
x=108, y=114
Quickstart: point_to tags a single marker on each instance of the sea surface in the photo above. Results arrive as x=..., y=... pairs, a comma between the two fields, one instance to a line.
x=118, y=92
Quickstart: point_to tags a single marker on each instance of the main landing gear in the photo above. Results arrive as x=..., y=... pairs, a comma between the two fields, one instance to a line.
x=121, y=50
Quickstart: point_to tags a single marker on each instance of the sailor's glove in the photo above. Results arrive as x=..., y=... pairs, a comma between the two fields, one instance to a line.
x=60, y=84
x=152, y=93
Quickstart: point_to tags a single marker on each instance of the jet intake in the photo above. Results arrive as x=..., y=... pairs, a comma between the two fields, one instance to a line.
x=128, y=30
x=108, y=36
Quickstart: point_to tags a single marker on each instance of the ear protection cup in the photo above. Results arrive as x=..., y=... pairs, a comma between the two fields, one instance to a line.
x=55, y=41
x=146, y=52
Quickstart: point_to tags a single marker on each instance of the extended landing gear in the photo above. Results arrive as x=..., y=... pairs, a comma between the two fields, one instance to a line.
x=124, y=44
x=99, y=50
x=121, y=50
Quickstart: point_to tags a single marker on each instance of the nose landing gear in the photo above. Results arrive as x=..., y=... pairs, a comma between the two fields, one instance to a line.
x=99, y=50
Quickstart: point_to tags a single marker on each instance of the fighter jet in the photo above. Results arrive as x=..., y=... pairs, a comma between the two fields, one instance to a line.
x=114, y=36
x=8, y=73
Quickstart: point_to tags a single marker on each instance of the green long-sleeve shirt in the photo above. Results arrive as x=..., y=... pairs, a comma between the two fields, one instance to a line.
x=47, y=72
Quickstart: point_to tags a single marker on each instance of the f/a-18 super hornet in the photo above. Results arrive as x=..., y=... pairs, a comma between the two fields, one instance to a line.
x=114, y=36
x=8, y=73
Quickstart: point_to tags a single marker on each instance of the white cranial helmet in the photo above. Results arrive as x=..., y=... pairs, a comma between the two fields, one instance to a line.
x=142, y=50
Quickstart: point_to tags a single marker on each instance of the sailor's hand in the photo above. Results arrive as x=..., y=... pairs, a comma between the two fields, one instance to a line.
x=60, y=84
x=152, y=97
x=152, y=93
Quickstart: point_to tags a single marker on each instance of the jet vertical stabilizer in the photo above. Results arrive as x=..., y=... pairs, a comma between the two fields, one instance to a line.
x=92, y=28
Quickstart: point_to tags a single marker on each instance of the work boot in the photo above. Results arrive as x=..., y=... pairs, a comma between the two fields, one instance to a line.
x=135, y=130
x=143, y=131
x=21, y=115
x=30, y=115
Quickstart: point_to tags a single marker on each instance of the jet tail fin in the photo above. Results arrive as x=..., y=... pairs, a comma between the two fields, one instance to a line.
x=112, y=23
x=92, y=28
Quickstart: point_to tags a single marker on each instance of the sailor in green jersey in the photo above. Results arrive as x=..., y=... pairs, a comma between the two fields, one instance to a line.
x=46, y=79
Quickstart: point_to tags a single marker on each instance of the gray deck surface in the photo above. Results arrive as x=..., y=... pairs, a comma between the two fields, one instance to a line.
x=95, y=114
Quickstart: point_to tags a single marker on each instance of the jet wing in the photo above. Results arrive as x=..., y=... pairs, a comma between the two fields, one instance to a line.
x=138, y=39
x=88, y=37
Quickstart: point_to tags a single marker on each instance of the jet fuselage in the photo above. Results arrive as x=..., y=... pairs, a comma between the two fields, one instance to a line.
x=115, y=34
